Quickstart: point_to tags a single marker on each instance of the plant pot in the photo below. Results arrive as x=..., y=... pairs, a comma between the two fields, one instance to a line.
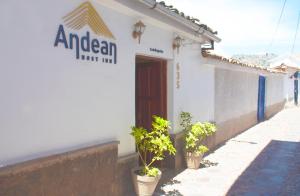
x=144, y=185
x=193, y=160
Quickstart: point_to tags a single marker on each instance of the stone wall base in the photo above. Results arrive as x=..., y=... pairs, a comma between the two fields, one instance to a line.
x=123, y=185
x=225, y=131
x=274, y=109
x=89, y=171
x=177, y=161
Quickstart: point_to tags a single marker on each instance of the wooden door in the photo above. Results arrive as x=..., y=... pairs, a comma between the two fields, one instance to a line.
x=150, y=91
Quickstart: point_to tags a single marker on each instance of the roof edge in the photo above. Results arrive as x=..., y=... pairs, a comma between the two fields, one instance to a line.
x=207, y=54
x=188, y=23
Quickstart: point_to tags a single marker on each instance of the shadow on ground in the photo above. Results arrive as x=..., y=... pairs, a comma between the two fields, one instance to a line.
x=207, y=163
x=275, y=171
x=243, y=141
x=168, y=176
x=167, y=179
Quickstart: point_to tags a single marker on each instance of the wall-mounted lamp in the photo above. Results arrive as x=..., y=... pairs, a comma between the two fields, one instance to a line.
x=139, y=29
x=177, y=42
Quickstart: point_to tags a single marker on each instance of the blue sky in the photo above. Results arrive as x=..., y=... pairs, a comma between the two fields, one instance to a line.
x=247, y=26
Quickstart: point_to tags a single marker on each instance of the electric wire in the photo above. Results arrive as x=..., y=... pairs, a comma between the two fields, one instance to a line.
x=277, y=25
x=295, y=37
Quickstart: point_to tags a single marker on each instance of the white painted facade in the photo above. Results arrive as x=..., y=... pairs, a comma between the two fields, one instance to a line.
x=196, y=92
x=288, y=87
x=51, y=102
x=236, y=94
x=235, y=90
x=274, y=89
x=291, y=64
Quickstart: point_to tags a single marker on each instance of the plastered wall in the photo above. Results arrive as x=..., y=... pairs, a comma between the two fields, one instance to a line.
x=274, y=89
x=52, y=102
x=235, y=93
x=195, y=93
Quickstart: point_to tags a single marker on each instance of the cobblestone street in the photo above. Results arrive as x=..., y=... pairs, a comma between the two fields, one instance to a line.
x=264, y=160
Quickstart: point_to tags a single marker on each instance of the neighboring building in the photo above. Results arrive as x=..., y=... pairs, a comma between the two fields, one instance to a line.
x=244, y=94
x=291, y=65
x=76, y=76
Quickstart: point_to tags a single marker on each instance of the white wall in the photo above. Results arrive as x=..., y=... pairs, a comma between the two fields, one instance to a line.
x=236, y=93
x=236, y=89
x=288, y=87
x=196, y=91
x=52, y=102
x=274, y=89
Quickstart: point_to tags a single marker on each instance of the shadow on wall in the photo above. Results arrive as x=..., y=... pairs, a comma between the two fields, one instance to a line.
x=275, y=171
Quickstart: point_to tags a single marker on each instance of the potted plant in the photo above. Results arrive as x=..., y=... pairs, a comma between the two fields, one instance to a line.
x=156, y=142
x=194, y=135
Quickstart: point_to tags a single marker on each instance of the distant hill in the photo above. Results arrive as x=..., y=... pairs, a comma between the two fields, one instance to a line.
x=257, y=59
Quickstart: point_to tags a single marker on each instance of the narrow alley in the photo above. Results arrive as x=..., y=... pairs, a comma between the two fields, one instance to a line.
x=264, y=160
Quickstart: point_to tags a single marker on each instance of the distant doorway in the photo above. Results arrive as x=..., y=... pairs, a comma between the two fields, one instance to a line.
x=296, y=88
x=261, y=99
x=151, y=90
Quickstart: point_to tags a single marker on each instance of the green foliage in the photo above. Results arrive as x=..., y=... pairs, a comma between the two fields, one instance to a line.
x=195, y=133
x=156, y=141
x=150, y=171
x=186, y=120
x=202, y=149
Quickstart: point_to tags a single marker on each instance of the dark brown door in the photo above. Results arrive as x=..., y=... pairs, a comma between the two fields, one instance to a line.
x=151, y=87
x=150, y=90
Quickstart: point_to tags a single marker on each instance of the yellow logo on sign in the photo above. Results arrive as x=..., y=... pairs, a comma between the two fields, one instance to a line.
x=86, y=14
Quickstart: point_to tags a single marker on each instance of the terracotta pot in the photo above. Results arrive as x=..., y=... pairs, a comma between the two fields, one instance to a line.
x=144, y=185
x=193, y=160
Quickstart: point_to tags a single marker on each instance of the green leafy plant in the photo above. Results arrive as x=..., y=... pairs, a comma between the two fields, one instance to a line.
x=186, y=120
x=155, y=141
x=195, y=133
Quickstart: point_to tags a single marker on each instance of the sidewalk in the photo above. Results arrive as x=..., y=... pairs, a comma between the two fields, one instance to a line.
x=264, y=160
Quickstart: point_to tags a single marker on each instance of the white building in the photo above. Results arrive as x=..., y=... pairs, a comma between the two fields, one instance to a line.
x=74, y=80
x=291, y=65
